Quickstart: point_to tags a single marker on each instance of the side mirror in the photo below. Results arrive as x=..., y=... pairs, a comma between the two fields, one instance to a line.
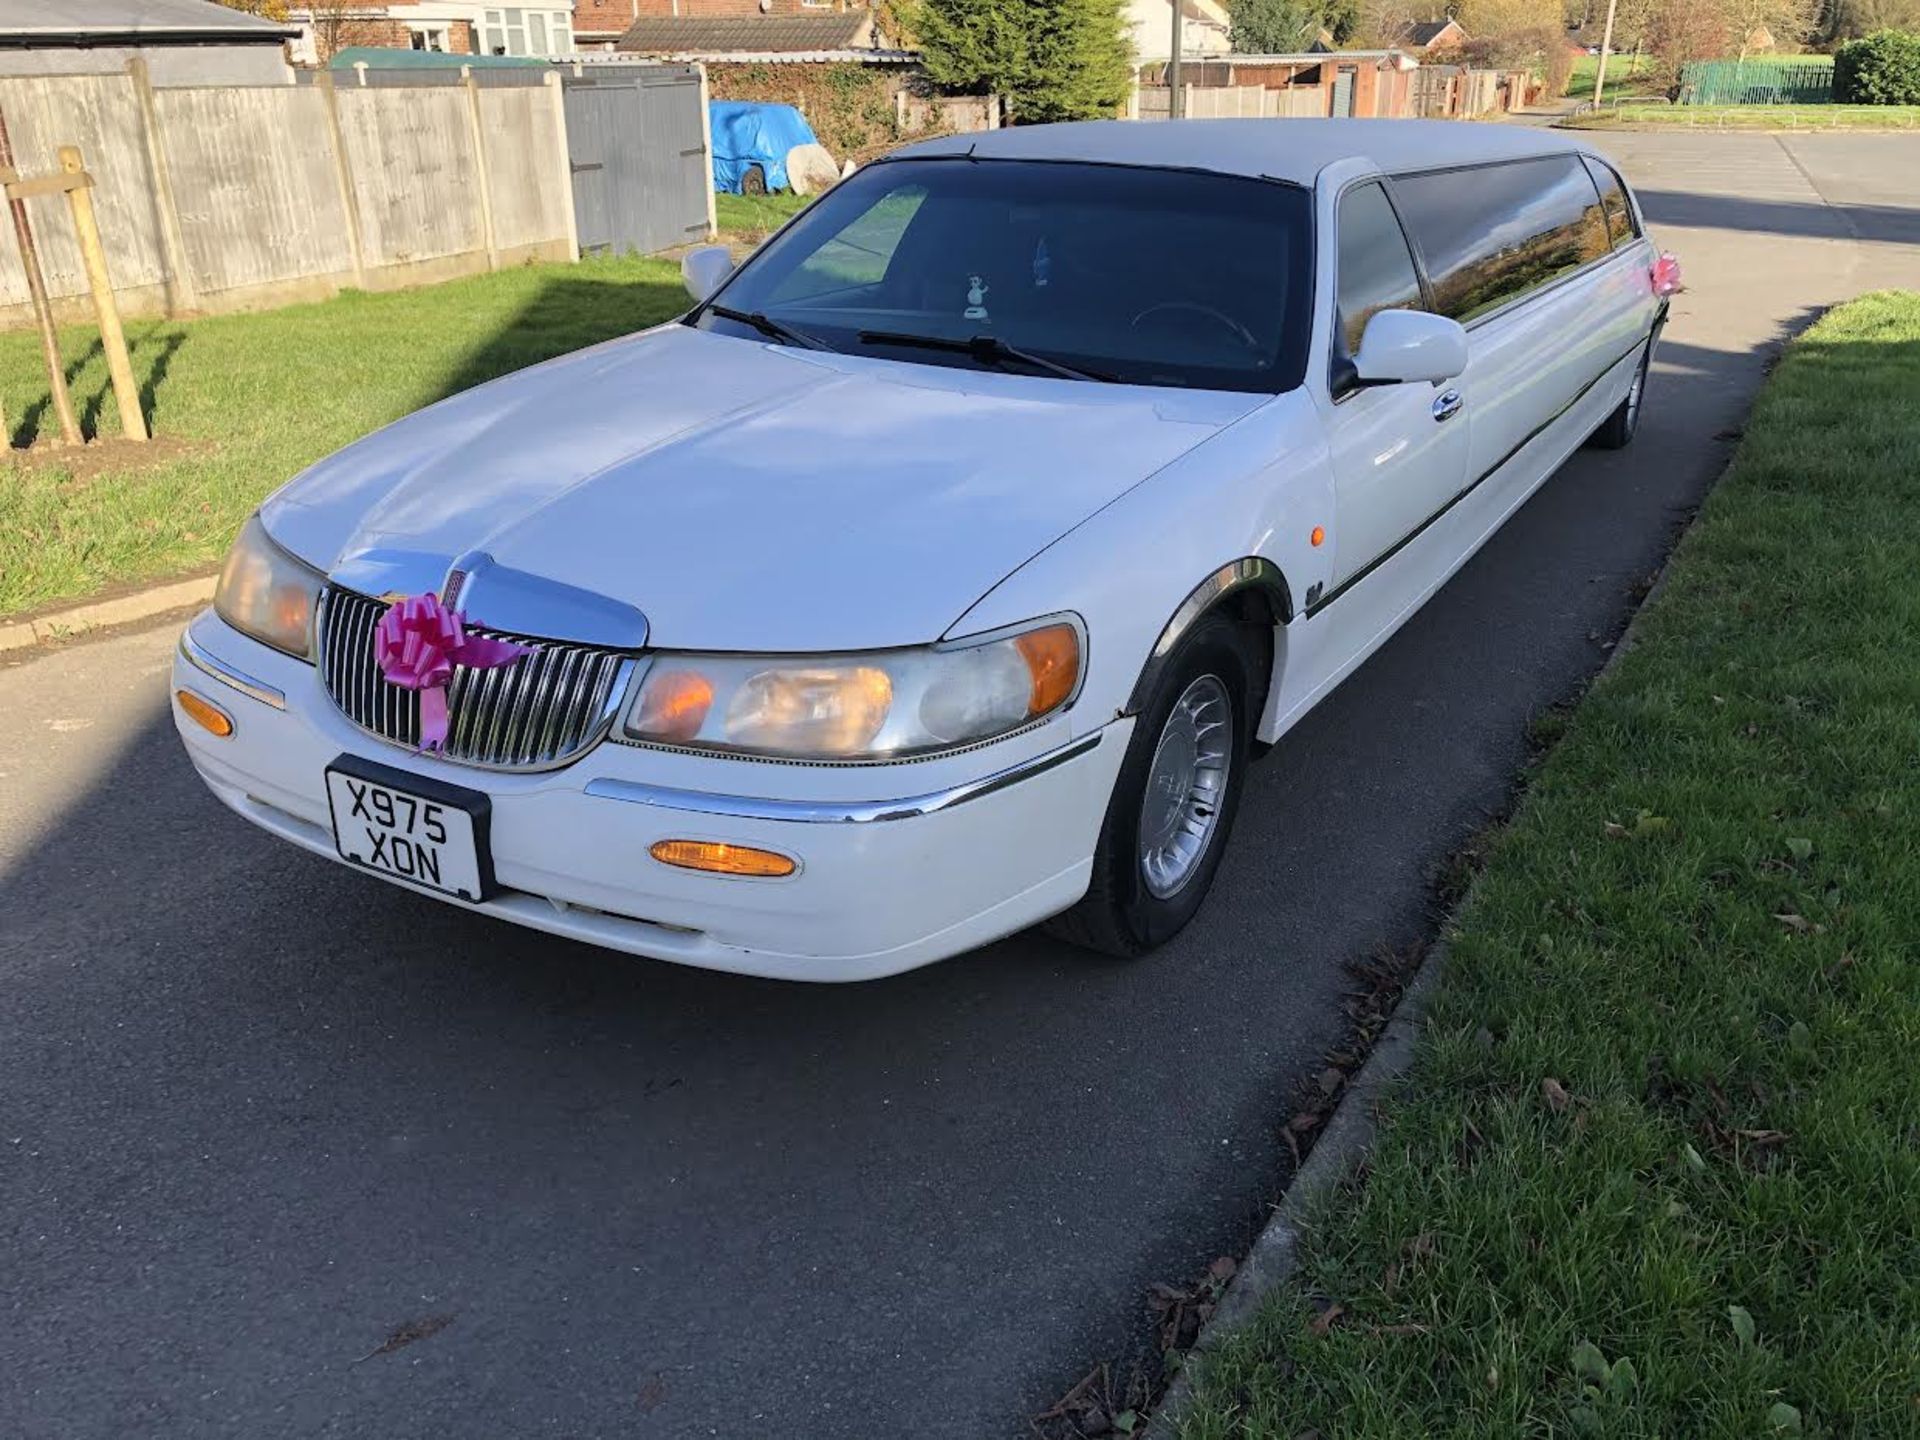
x=1403, y=345
x=705, y=269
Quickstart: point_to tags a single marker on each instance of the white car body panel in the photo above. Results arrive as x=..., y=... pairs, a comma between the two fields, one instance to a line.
x=751, y=497
x=888, y=495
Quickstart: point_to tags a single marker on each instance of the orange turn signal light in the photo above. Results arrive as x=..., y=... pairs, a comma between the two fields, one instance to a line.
x=719, y=859
x=209, y=716
x=1053, y=660
x=1319, y=536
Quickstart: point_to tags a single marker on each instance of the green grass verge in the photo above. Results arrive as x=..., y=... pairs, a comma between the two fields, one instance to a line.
x=255, y=398
x=1657, y=1170
x=1750, y=117
x=750, y=217
x=1626, y=75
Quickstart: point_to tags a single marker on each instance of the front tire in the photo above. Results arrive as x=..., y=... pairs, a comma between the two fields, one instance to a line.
x=1175, y=798
x=1617, y=430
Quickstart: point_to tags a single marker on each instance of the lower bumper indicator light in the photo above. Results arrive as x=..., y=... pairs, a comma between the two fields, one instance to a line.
x=718, y=859
x=207, y=715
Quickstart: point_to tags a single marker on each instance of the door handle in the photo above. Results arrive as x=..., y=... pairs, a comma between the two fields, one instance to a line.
x=1448, y=405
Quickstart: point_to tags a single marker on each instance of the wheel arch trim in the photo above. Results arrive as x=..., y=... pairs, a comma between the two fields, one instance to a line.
x=1251, y=574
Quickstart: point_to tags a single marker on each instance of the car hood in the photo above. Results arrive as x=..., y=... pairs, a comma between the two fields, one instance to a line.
x=739, y=495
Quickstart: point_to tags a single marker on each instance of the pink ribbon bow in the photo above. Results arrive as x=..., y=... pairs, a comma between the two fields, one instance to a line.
x=1666, y=273
x=418, y=642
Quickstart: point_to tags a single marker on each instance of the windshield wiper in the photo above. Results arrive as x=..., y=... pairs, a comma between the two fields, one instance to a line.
x=989, y=348
x=770, y=327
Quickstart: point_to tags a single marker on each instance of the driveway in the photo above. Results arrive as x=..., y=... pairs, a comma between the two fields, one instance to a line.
x=258, y=1114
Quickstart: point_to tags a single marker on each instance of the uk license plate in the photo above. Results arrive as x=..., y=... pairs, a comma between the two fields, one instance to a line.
x=410, y=827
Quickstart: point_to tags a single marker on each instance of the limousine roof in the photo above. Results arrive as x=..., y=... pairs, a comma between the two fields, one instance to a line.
x=1296, y=150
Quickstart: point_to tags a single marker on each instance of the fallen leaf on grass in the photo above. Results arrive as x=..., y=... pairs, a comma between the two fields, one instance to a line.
x=1764, y=1137
x=1555, y=1094
x=1799, y=924
x=1323, y=1322
x=1613, y=830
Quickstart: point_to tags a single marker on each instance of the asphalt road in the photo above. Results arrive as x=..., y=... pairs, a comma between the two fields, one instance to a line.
x=258, y=1113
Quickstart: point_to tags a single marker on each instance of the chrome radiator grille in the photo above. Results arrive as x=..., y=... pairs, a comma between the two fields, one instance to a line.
x=542, y=711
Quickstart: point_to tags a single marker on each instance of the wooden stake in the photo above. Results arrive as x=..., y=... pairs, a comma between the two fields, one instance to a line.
x=94, y=256
x=42, y=307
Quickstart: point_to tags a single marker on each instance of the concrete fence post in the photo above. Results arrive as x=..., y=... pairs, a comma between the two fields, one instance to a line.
x=484, y=184
x=182, y=294
x=706, y=150
x=343, y=176
x=564, y=159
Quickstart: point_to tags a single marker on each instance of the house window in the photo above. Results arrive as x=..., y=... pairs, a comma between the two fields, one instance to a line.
x=526, y=32
x=428, y=37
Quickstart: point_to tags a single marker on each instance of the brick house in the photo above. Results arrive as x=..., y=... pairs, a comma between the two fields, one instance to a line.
x=597, y=22
x=1433, y=37
x=492, y=27
x=456, y=27
x=821, y=32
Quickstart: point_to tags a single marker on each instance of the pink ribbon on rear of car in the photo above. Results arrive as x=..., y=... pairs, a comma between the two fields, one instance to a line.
x=1666, y=273
x=419, y=641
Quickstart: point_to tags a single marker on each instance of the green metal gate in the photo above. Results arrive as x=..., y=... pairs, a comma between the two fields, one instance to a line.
x=1757, y=82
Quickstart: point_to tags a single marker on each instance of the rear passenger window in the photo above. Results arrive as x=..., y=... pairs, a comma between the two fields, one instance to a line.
x=1375, y=267
x=1613, y=201
x=1492, y=234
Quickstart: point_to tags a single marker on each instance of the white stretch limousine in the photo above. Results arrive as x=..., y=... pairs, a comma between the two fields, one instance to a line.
x=943, y=568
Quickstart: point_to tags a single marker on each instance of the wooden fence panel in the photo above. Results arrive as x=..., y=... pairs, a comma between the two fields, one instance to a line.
x=99, y=114
x=410, y=152
x=523, y=140
x=253, y=180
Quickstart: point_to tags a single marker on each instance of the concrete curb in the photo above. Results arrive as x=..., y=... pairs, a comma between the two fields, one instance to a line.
x=142, y=605
x=1346, y=1141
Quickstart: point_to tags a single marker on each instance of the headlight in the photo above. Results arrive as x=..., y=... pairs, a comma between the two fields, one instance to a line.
x=266, y=593
x=879, y=706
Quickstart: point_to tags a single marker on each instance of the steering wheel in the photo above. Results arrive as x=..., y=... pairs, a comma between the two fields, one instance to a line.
x=1219, y=317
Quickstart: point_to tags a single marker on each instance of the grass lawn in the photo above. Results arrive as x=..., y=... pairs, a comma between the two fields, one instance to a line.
x=1657, y=1171
x=1751, y=117
x=753, y=217
x=1626, y=75
x=255, y=398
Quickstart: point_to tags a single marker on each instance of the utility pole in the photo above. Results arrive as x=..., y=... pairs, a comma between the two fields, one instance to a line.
x=1174, y=107
x=1606, y=44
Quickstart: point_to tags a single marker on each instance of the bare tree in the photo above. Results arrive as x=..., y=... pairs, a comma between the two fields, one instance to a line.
x=1788, y=22
x=333, y=24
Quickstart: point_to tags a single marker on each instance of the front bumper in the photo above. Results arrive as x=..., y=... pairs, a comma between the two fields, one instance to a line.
x=900, y=865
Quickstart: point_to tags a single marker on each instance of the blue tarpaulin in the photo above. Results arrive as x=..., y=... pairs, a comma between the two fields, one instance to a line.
x=746, y=134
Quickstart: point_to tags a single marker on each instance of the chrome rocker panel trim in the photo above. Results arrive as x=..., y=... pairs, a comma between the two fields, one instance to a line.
x=844, y=812
x=206, y=663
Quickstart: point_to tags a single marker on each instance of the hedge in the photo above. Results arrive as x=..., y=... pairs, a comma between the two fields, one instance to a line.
x=1880, y=69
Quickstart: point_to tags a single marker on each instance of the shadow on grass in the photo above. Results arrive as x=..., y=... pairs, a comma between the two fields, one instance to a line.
x=567, y=312
x=152, y=357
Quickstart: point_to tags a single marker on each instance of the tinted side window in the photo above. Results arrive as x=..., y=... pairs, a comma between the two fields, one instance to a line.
x=1489, y=235
x=1375, y=267
x=1613, y=200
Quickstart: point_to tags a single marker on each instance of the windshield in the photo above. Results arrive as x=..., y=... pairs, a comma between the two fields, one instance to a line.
x=1148, y=277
